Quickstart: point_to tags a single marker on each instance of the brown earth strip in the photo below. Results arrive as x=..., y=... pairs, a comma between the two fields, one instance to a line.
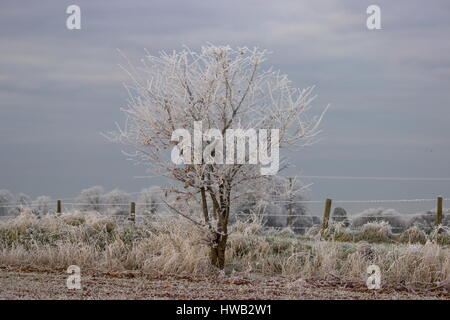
x=33, y=283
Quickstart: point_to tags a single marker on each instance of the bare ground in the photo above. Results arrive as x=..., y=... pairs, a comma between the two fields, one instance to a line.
x=33, y=283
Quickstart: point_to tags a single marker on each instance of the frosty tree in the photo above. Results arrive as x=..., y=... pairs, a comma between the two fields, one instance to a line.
x=43, y=204
x=278, y=197
x=117, y=201
x=6, y=202
x=221, y=88
x=22, y=201
x=91, y=199
x=149, y=200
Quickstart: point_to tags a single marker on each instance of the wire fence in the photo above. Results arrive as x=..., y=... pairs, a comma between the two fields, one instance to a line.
x=75, y=205
x=315, y=212
x=264, y=200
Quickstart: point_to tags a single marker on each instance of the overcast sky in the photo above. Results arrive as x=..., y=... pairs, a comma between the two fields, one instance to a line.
x=389, y=89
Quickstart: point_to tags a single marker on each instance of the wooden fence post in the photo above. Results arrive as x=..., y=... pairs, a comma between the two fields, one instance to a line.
x=58, y=207
x=133, y=212
x=439, y=211
x=290, y=217
x=326, y=214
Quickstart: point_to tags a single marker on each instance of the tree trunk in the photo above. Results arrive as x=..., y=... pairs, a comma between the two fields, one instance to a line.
x=218, y=248
x=219, y=243
x=222, y=209
x=204, y=205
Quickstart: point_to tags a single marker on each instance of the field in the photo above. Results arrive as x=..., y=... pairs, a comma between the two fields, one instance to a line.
x=168, y=259
x=35, y=283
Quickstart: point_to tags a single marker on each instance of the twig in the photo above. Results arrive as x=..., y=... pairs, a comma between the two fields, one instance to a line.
x=183, y=215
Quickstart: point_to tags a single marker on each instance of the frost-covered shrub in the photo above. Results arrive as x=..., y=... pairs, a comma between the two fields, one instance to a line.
x=149, y=201
x=379, y=231
x=42, y=205
x=302, y=223
x=22, y=201
x=13, y=205
x=413, y=235
x=74, y=218
x=118, y=202
x=440, y=235
x=272, y=215
x=427, y=221
x=337, y=231
x=340, y=215
x=90, y=199
x=365, y=250
x=6, y=202
x=250, y=227
x=313, y=232
x=278, y=200
x=397, y=222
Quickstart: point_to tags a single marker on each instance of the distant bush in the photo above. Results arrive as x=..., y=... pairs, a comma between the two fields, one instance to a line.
x=90, y=199
x=22, y=201
x=6, y=202
x=278, y=200
x=118, y=202
x=42, y=205
x=340, y=215
x=427, y=221
x=149, y=201
x=397, y=222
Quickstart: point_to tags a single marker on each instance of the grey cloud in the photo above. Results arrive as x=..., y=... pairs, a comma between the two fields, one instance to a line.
x=60, y=88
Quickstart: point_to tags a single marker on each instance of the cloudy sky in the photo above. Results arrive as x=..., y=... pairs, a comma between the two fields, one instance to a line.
x=389, y=89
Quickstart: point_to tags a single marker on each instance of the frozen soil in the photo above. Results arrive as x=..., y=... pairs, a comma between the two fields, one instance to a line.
x=38, y=283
